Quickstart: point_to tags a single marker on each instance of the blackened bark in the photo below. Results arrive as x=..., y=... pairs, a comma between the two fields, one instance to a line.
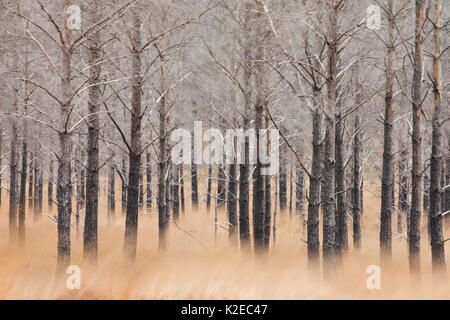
x=232, y=205
x=182, y=188
x=30, y=181
x=426, y=191
x=437, y=240
x=124, y=185
x=402, y=188
x=131, y=221
x=90, y=243
x=314, y=194
x=291, y=177
x=387, y=183
x=283, y=180
x=416, y=185
x=208, y=189
x=149, y=181
x=194, y=180
x=176, y=193
x=356, y=194
x=51, y=181
x=141, y=185
x=111, y=194
x=329, y=207
x=341, y=213
x=22, y=195
x=13, y=182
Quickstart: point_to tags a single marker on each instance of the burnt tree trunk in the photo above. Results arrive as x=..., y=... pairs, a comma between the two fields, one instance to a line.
x=208, y=189
x=13, y=180
x=387, y=183
x=124, y=185
x=416, y=185
x=329, y=206
x=149, y=181
x=437, y=240
x=131, y=221
x=90, y=236
x=30, y=181
x=341, y=214
x=314, y=194
x=51, y=181
x=111, y=194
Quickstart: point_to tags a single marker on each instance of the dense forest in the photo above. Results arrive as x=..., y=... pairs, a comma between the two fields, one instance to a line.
x=190, y=144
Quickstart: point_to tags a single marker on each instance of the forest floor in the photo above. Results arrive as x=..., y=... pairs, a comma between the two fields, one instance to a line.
x=187, y=270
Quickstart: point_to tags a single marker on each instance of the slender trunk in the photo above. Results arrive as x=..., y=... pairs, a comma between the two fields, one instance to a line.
x=208, y=189
x=416, y=191
x=356, y=194
x=124, y=185
x=291, y=177
x=437, y=240
x=341, y=214
x=111, y=194
x=182, y=188
x=231, y=205
x=387, y=183
x=176, y=193
x=22, y=195
x=283, y=179
x=402, y=188
x=314, y=194
x=37, y=190
x=51, y=178
x=149, y=181
x=329, y=207
x=141, y=185
x=275, y=211
x=30, y=181
x=268, y=178
x=90, y=244
x=194, y=179
x=13, y=180
x=131, y=221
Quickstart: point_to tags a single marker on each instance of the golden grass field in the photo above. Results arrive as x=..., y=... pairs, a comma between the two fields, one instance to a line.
x=189, y=271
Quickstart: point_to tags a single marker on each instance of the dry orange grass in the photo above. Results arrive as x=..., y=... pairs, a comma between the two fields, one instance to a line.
x=189, y=271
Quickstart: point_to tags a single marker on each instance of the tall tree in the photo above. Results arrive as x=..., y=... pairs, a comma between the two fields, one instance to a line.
x=416, y=170
x=437, y=241
x=387, y=183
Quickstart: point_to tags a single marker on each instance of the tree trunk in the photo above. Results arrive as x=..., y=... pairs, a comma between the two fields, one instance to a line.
x=356, y=194
x=141, y=185
x=182, y=188
x=131, y=221
x=329, y=207
x=341, y=214
x=149, y=181
x=124, y=185
x=111, y=194
x=231, y=205
x=387, y=183
x=283, y=179
x=416, y=191
x=208, y=189
x=13, y=180
x=22, y=195
x=437, y=240
x=90, y=244
x=176, y=193
x=50, y=183
x=314, y=194
x=31, y=181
